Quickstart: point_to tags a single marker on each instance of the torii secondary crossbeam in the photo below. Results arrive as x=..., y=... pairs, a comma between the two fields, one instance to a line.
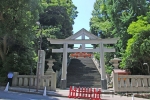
x=82, y=50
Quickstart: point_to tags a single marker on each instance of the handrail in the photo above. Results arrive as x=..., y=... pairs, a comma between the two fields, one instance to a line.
x=96, y=62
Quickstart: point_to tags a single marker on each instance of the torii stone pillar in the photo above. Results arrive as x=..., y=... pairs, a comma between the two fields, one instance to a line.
x=64, y=67
x=102, y=64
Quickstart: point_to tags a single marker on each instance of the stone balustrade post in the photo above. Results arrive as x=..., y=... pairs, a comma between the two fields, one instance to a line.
x=53, y=81
x=32, y=82
x=15, y=79
x=25, y=81
x=115, y=81
x=20, y=81
x=42, y=82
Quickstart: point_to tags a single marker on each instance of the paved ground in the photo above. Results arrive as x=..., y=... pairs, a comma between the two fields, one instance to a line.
x=117, y=97
x=64, y=93
x=23, y=96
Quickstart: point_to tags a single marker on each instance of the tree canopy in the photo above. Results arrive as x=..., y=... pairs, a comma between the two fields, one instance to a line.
x=20, y=35
x=138, y=51
x=17, y=19
x=115, y=18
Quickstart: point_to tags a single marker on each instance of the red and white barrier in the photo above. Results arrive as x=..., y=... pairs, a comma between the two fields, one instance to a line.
x=84, y=93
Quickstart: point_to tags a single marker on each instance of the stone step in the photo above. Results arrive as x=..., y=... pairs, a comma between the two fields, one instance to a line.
x=92, y=79
x=83, y=85
x=87, y=82
x=83, y=72
x=85, y=77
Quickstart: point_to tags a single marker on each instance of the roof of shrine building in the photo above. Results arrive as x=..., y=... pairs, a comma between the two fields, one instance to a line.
x=82, y=32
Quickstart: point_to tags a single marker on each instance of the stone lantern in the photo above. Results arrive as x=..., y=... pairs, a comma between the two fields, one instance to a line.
x=115, y=62
x=50, y=64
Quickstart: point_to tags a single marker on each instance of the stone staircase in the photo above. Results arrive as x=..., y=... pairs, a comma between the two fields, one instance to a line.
x=82, y=72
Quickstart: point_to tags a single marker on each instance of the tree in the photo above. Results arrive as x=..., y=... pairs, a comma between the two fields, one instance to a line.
x=122, y=13
x=111, y=18
x=17, y=19
x=138, y=51
x=57, y=20
x=101, y=25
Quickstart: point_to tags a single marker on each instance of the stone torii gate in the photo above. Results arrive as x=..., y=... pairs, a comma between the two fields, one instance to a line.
x=92, y=40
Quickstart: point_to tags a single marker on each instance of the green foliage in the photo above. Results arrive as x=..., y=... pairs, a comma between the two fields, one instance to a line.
x=138, y=51
x=102, y=26
x=97, y=56
x=20, y=36
x=3, y=80
x=111, y=18
x=57, y=20
x=17, y=19
x=108, y=69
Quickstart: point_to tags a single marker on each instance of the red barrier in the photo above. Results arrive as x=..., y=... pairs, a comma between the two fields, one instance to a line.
x=84, y=93
x=72, y=92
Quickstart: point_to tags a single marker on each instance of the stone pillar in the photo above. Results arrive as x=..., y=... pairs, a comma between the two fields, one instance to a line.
x=102, y=64
x=63, y=83
x=41, y=62
x=15, y=79
x=83, y=38
x=115, y=81
x=53, y=82
x=40, y=68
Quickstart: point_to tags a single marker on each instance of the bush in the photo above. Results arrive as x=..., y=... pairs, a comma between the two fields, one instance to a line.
x=97, y=56
x=3, y=80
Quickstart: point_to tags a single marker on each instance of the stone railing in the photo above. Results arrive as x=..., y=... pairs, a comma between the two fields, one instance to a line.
x=131, y=83
x=31, y=80
x=96, y=62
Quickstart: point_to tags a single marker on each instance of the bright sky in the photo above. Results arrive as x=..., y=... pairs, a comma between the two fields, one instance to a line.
x=84, y=8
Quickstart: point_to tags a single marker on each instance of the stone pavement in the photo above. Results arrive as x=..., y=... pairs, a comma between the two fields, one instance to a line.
x=64, y=93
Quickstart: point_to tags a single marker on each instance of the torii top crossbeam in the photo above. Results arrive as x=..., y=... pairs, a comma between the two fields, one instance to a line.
x=91, y=41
